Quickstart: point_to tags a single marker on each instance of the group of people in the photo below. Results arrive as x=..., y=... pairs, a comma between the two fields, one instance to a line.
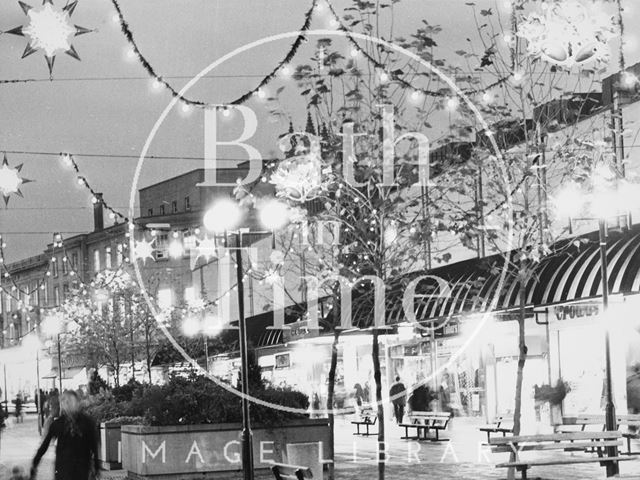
x=419, y=399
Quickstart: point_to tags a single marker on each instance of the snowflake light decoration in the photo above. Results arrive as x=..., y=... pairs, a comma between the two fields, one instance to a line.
x=207, y=248
x=143, y=250
x=300, y=178
x=569, y=33
x=10, y=180
x=49, y=29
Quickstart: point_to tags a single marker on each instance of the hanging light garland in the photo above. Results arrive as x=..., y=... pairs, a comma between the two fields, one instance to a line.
x=258, y=90
x=10, y=180
x=68, y=160
x=569, y=33
x=50, y=30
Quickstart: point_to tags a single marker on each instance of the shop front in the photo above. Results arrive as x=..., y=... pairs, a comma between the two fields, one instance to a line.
x=577, y=343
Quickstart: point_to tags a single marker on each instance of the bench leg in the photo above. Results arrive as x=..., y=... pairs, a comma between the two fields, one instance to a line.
x=358, y=427
x=367, y=429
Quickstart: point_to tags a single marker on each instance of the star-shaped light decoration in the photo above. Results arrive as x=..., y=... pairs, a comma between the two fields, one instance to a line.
x=569, y=33
x=206, y=248
x=49, y=29
x=143, y=250
x=10, y=180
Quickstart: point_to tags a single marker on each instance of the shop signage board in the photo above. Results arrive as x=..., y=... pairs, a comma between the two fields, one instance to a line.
x=299, y=330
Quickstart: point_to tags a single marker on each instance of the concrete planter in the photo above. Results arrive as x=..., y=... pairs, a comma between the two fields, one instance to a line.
x=110, y=447
x=200, y=451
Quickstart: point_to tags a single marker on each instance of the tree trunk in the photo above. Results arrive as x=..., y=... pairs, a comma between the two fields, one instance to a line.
x=330, y=396
x=522, y=357
x=377, y=376
x=146, y=344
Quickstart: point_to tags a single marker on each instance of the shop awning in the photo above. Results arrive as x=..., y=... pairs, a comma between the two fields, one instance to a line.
x=572, y=275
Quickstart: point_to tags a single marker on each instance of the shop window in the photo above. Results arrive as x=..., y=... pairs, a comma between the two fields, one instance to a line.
x=187, y=203
x=150, y=212
x=161, y=209
x=174, y=206
x=162, y=246
x=188, y=242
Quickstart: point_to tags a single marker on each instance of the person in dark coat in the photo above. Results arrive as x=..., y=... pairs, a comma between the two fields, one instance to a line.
x=76, y=437
x=400, y=401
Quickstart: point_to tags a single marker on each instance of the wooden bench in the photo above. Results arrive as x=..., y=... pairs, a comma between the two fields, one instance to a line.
x=598, y=441
x=572, y=423
x=498, y=427
x=632, y=422
x=367, y=418
x=282, y=471
x=426, y=422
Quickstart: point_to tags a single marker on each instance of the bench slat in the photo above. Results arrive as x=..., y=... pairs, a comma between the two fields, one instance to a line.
x=556, y=446
x=554, y=437
x=563, y=461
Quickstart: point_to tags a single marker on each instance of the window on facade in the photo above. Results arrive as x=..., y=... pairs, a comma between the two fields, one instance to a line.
x=7, y=303
x=96, y=260
x=56, y=296
x=65, y=292
x=150, y=212
x=74, y=260
x=164, y=298
x=65, y=266
x=161, y=209
x=107, y=257
x=174, y=206
x=54, y=266
x=34, y=298
x=187, y=203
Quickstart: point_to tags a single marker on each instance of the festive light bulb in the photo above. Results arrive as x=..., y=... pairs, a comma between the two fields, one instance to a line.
x=417, y=96
x=186, y=108
x=156, y=84
x=452, y=104
x=226, y=112
x=517, y=77
x=286, y=71
x=191, y=326
x=274, y=214
x=49, y=30
x=354, y=52
x=629, y=80
x=508, y=38
x=223, y=215
x=569, y=201
x=130, y=53
x=333, y=23
x=384, y=77
x=261, y=93
x=115, y=18
x=488, y=98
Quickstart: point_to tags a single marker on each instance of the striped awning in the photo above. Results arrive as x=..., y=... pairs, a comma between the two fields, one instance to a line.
x=474, y=284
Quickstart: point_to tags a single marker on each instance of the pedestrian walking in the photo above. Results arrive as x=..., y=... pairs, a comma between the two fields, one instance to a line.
x=19, y=414
x=76, y=437
x=397, y=392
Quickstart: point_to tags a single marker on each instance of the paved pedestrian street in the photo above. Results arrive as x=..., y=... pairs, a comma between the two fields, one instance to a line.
x=462, y=456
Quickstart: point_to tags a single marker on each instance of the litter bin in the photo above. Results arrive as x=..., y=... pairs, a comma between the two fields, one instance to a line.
x=306, y=455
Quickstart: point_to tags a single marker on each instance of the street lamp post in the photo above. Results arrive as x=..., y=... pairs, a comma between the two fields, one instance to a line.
x=610, y=408
x=222, y=218
x=247, y=437
x=59, y=363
